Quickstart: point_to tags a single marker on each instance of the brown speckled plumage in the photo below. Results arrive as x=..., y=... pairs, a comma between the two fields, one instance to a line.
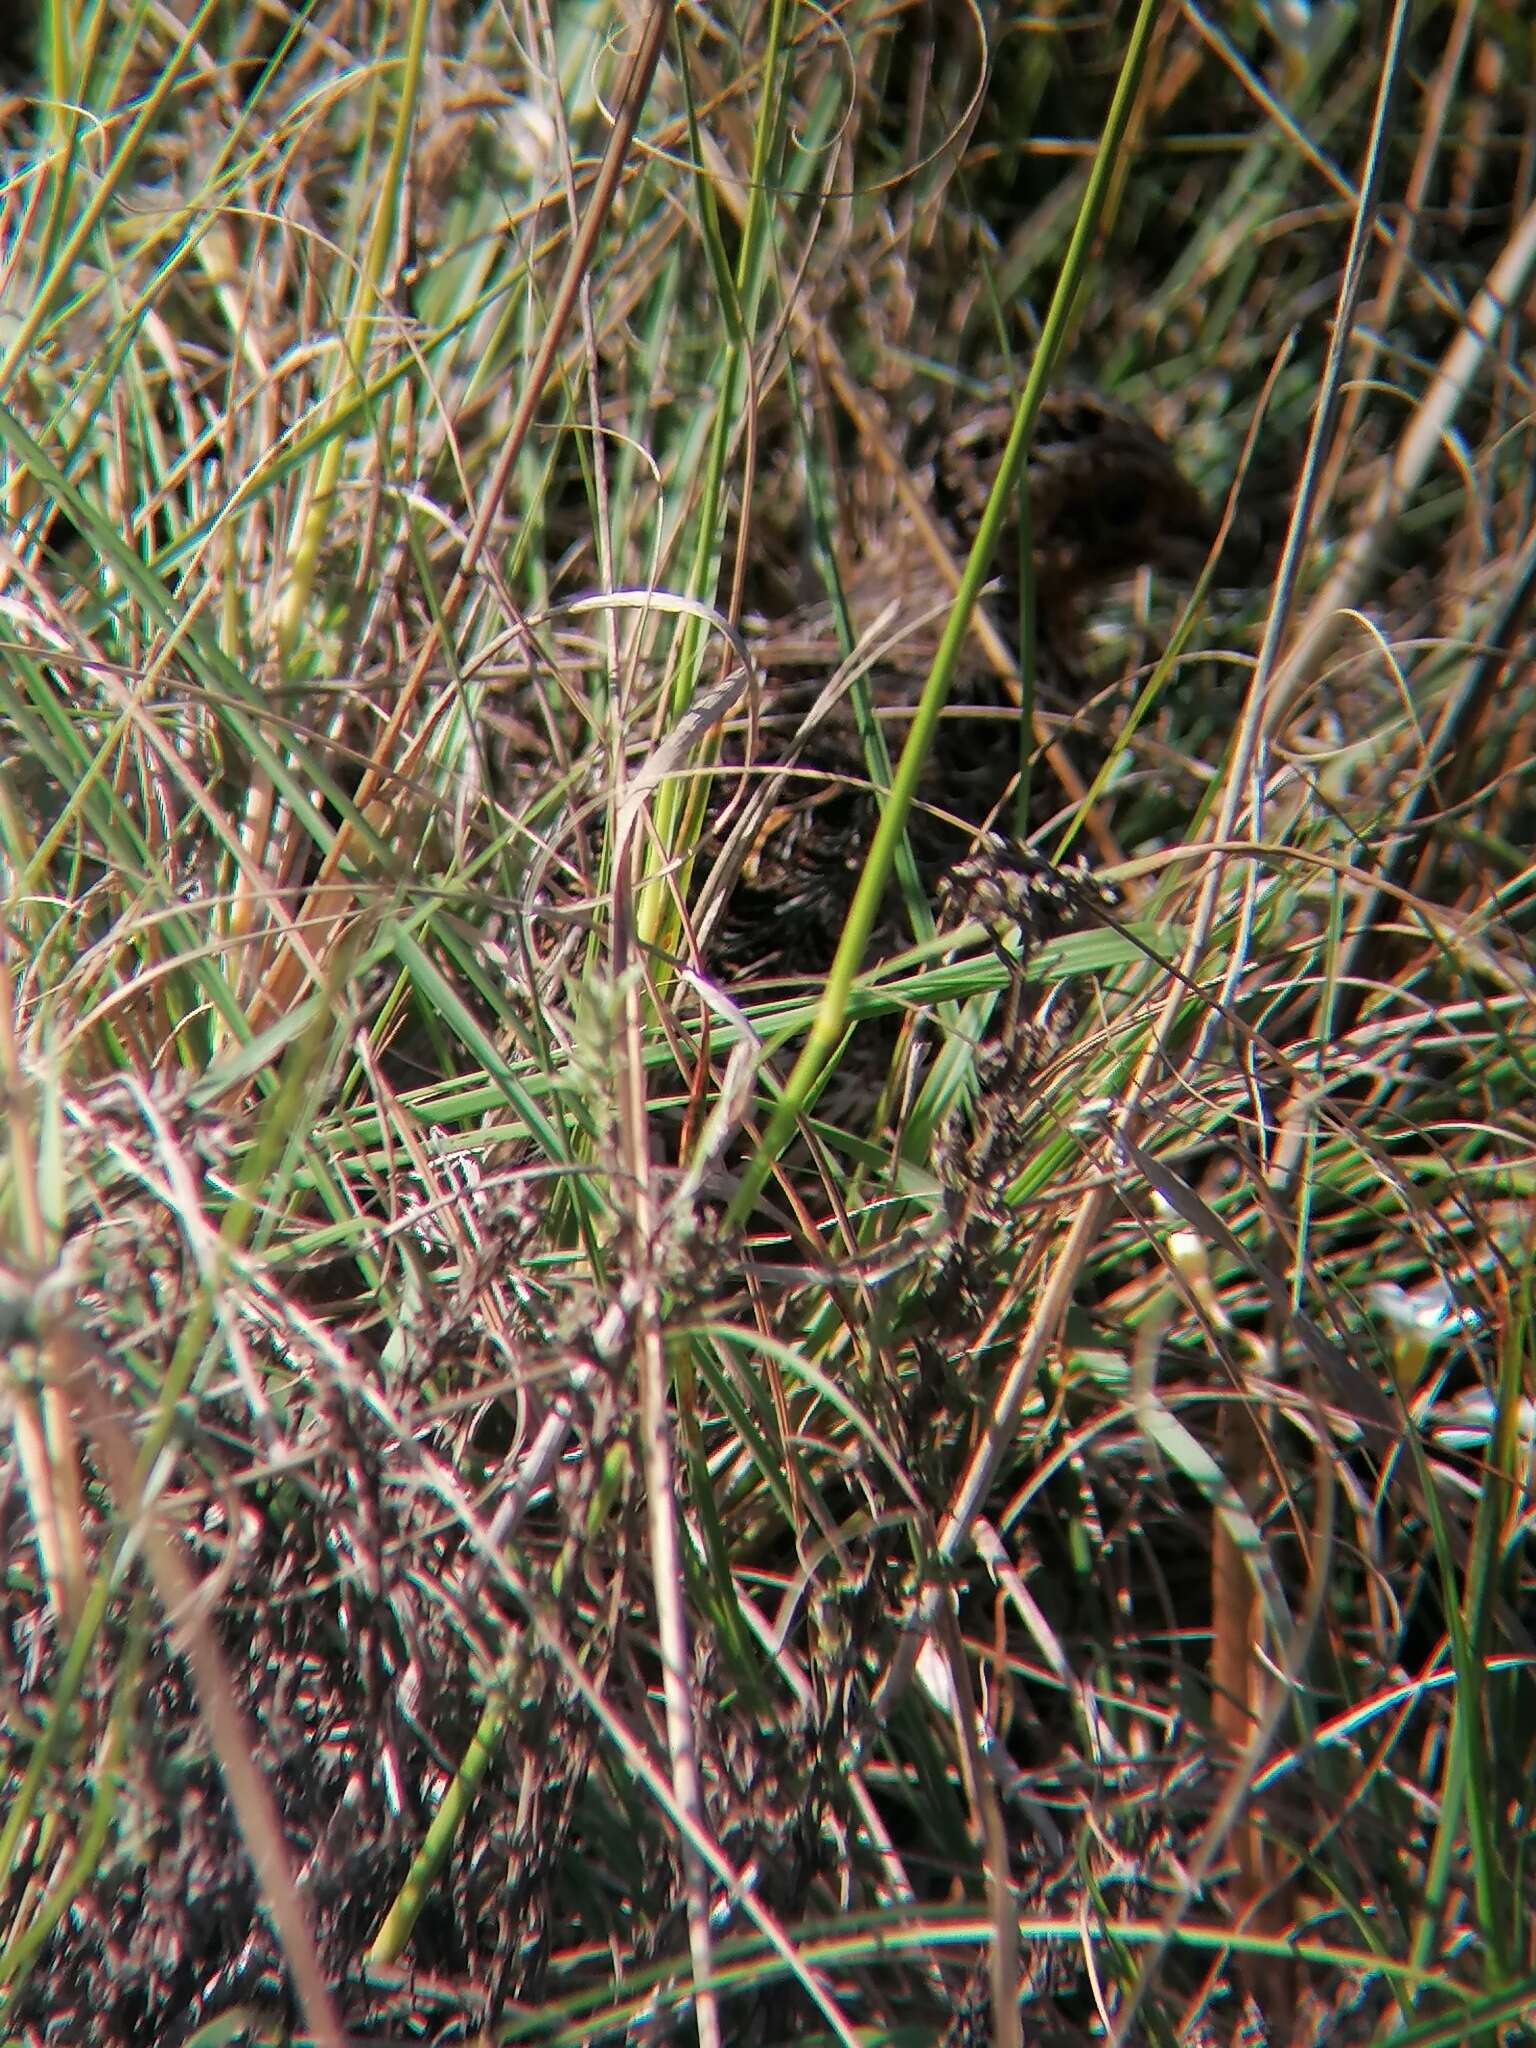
x=1105, y=497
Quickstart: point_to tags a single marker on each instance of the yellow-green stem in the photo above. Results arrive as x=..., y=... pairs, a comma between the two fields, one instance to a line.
x=827, y=1028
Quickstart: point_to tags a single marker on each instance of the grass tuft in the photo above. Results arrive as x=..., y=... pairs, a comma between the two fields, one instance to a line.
x=609, y=1441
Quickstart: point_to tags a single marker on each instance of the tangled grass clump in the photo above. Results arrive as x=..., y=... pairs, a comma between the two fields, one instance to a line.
x=678, y=1368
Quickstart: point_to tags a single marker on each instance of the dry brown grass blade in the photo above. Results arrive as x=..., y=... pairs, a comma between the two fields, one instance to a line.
x=331, y=902
x=661, y=1499
x=1243, y=1698
x=1330, y=610
x=1377, y=324
x=40, y=1408
x=187, y=1612
x=818, y=345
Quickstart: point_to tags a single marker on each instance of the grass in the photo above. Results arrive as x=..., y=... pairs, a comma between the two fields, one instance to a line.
x=977, y=1489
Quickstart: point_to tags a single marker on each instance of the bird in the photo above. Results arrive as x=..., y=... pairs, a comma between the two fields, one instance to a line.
x=1106, y=496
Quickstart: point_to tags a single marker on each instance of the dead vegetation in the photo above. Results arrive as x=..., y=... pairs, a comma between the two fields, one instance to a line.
x=958, y=1474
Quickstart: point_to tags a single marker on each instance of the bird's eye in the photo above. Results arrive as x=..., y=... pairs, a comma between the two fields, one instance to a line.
x=1121, y=505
